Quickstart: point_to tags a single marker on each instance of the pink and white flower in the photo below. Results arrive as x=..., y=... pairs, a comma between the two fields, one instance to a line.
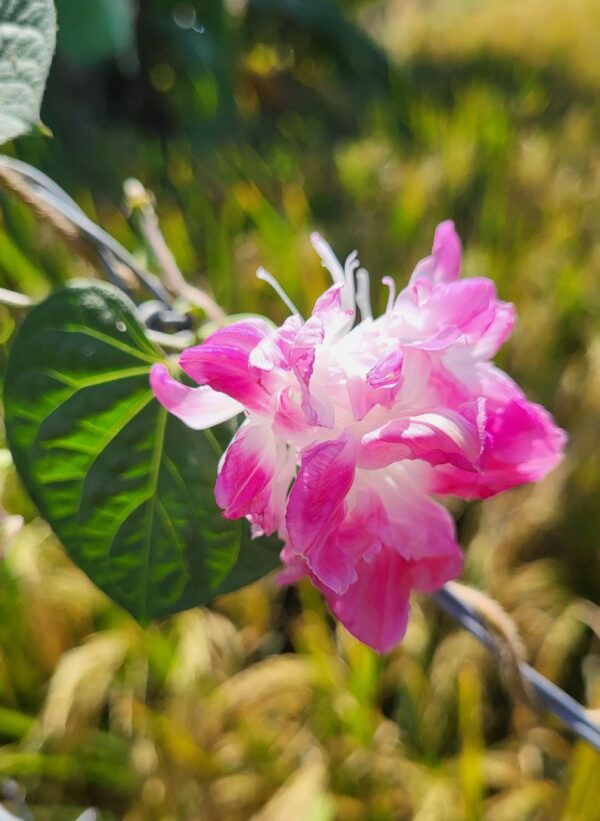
x=352, y=426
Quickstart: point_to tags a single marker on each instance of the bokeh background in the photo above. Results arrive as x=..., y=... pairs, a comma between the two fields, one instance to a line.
x=255, y=122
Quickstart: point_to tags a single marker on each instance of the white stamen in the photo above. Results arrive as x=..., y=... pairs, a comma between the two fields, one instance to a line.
x=350, y=267
x=328, y=258
x=265, y=276
x=391, y=285
x=363, y=296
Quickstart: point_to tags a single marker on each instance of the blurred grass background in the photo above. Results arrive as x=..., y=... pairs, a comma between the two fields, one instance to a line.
x=254, y=122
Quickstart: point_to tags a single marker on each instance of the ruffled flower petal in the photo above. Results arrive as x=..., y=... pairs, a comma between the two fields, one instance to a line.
x=444, y=263
x=247, y=473
x=199, y=408
x=329, y=310
x=497, y=332
x=396, y=542
x=375, y=608
x=222, y=362
x=318, y=409
x=466, y=314
x=522, y=444
x=316, y=507
x=447, y=250
x=418, y=527
x=437, y=437
x=437, y=312
x=273, y=352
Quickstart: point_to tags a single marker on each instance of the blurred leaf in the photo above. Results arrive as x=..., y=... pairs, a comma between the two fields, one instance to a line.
x=358, y=55
x=470, y=767
x=103, y=31
x=127, y=487
x=27, y=39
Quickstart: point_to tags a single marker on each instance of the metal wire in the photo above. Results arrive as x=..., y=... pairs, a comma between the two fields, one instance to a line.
x=551, y=697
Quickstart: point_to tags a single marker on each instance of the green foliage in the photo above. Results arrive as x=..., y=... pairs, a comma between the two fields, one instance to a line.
x=105, y=30
x=127, y=487
x=27, y=37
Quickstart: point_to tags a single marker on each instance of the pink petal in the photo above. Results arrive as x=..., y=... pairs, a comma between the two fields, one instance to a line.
x=436, y=311
x=294, y=567
x=328, y=309
x=303, y=353
x=432, y=572
x=443, y=266
x=445, y=389
x=379, y=387
x=469, y=305
x=316, y=507
x=396, y=540
x=387, y=371
x=375, y=608
x=222, y=362
x=329, y=301
x=318, y=410
x=418, y=527
x=290, y=419
x=472, y=307
x=416, y=373
x=199, y=408
x=439, y=340
x=447, y=250
x=438, y=437
x=364, y=527
x=523, y=443
x=363, y=397
x=246, y=472
x=274, y=350
x=497, y=332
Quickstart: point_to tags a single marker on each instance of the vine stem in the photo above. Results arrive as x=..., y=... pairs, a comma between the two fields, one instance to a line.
x=549, y=696
x=141, y=204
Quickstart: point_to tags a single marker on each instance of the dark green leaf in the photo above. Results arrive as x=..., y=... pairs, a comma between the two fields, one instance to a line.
x=126, y=487
x=27, y=39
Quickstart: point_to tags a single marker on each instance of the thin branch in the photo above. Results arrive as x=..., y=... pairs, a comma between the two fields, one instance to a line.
x=14, y=300
x=140, y=201
x=550, y=696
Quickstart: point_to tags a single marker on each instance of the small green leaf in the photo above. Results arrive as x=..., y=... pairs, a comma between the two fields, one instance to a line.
x=126, y=487
x=27, y=40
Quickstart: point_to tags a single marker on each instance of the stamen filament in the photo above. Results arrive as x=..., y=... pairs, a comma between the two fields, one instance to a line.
x=363, y=295
x=391, y=285
x=328, y=258
x=265, y=276
x=350, y=267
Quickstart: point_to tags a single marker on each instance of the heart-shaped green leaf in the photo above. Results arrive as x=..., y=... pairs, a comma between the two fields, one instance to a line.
x=27, y=40
x=126, y=487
